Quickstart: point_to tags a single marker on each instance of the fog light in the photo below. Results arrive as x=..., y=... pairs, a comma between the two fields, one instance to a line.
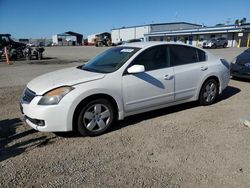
x=37, y=122
x=40, y=122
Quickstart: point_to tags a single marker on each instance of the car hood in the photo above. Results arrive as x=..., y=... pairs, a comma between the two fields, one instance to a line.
x=64, y=77
x=208, y=41
x=243, y=58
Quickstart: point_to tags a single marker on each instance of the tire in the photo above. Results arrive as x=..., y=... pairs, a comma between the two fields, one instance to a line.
x=96, y=117
x=100, y=44
x=209, y=92
x=214, y=46
x=109, y=43
x=225, y=45
x=40, y=56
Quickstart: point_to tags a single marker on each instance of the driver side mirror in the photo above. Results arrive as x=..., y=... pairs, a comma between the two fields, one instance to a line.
x=136, y=69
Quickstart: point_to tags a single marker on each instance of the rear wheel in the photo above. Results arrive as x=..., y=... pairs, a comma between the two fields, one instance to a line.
x=96, y=117
x=209, y=92
x=225, y=45
x=109, y=43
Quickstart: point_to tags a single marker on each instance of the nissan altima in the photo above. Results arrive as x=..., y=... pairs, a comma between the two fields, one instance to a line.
x=122, y=81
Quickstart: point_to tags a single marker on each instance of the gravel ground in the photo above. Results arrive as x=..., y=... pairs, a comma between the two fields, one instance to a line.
x=182, y=146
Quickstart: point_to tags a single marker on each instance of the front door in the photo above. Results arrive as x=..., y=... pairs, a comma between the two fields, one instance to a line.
x=153, y=87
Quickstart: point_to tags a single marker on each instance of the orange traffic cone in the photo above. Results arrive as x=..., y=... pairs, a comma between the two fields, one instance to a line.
x=7, y=55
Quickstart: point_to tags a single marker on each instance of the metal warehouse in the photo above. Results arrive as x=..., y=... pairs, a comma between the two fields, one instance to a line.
x=194, y=34
x=68, y=39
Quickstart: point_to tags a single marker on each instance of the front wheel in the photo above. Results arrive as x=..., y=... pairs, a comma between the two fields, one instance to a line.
x=96, y=117
x=209, y=92
x=214, y=46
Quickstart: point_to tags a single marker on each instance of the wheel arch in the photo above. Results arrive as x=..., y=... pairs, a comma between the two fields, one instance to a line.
x=90, y=98
x=206, y=79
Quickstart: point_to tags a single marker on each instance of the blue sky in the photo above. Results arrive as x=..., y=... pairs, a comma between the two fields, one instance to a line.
x=43, y=18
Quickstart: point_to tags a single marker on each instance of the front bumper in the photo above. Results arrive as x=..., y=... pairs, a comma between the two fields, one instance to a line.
x=51, y=118
x=206, y=45
x=240, y=71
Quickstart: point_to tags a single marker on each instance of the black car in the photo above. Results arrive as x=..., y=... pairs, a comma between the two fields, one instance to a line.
x=240, y=66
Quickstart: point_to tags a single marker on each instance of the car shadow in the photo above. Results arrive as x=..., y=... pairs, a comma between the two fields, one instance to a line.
x=13, y=142
x=226, y=94
x=241, y=79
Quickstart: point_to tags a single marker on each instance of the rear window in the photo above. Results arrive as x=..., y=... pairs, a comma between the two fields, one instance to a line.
x=201, y=55
x=182, y=55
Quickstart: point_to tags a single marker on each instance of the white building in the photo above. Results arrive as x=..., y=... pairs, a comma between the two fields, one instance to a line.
x=236, y=35
x=194, y=34
x=139, y=32
x=91, y=39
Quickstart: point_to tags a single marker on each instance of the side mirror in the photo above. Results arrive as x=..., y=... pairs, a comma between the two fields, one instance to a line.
x=136, y=69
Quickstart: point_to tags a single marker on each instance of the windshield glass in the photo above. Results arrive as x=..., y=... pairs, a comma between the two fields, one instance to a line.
x=110, y=60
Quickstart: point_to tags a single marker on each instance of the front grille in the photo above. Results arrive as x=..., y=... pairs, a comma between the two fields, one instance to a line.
x=28, y=96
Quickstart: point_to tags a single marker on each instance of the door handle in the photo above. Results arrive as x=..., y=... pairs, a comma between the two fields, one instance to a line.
x=204, y=68
x=168, y=77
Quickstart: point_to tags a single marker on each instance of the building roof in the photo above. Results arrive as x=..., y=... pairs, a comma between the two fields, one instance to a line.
x=69, y=33
x=169, y=23
x=150, y=44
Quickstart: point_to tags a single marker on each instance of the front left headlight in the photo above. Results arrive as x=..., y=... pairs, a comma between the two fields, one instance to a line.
x=234, y=61
x=54, y=96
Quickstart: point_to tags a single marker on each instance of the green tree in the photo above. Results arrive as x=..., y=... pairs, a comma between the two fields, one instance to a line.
x=237, y=22
x=243, y=20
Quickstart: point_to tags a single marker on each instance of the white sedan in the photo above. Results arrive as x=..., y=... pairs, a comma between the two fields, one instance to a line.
x=122, y=81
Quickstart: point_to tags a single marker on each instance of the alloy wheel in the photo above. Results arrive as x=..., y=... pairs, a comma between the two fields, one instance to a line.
x=210, y=92
x=96, y=117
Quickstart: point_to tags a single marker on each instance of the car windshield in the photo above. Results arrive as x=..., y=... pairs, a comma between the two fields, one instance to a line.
x=110, y=60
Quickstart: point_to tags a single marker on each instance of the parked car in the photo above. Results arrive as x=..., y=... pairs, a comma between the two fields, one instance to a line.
x=240, y=66
x=216, y=42
x=122, y=81
x=31, y=45
x=48, y=44
x=41, y=44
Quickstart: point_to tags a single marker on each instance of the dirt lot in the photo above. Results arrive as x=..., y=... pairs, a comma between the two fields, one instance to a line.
x=182, y=146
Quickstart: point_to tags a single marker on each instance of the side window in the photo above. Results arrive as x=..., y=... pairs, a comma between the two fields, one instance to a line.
x=181, y=55
x=153, y=58
x=201, y=55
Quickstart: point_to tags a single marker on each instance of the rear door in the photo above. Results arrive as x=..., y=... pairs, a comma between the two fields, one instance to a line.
x=189, y=68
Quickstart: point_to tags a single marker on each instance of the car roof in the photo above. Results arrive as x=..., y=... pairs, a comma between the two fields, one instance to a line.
x=152, y=43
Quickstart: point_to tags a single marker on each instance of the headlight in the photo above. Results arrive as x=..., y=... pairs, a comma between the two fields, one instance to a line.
x=234, y=61
x=54, y=96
